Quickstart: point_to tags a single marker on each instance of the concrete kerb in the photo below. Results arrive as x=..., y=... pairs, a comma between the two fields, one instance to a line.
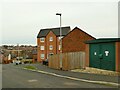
x=97, y=71
x=77, y=79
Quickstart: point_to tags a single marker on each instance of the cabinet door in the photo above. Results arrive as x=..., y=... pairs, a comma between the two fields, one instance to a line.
x=108, y=52
x=94, y=55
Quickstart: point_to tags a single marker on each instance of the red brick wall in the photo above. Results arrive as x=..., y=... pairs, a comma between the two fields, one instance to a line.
x=46, y=44
x=118, y=56
x=34, y=58
x=87, y=55
x=74, y=41
x=53, y=43
x=58, y=43
x=39, y=52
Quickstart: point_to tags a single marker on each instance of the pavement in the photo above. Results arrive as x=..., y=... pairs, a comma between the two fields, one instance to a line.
x=79, y=75
x=14, y=76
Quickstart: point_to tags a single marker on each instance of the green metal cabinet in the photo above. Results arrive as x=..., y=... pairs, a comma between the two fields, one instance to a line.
x=102, y=55
x=94, y=56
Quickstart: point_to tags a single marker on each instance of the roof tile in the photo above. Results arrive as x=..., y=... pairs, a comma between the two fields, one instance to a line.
x=56, y=31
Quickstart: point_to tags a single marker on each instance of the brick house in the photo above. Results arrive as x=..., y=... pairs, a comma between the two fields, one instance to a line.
x=48, y=42
x=74, y=40
x=34, y=54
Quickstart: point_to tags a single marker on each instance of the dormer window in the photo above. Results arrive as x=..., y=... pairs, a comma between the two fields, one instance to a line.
x=51, y=39
x=42, y=39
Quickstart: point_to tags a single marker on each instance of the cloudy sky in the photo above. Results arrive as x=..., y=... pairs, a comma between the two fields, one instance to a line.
x=21, y=20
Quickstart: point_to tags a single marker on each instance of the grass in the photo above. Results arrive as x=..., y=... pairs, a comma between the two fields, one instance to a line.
x=30, y=67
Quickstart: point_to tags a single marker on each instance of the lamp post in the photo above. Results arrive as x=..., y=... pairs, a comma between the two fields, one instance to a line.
x=60, y=41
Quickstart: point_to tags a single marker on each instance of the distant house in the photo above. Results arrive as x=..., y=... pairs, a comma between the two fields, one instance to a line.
x=74, y=40
x=48, y=42
x=34, y=53
x=1, y=58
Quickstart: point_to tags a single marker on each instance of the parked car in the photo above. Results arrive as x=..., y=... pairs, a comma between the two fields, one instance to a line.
x=45, y=62
x=19, y=58
x=17, y=62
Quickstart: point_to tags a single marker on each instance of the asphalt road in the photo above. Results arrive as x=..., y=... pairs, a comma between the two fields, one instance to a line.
x=13, y=77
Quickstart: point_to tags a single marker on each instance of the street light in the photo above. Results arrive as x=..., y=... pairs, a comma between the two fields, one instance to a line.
x=60, y=29
x=60, y=41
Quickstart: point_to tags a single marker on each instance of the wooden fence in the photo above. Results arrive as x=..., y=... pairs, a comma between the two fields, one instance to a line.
x=69, y=61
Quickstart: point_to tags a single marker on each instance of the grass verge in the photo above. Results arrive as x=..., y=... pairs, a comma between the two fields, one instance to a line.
x=30, y=67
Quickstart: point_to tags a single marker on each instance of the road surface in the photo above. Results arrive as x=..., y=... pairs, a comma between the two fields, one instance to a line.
x=15, y=77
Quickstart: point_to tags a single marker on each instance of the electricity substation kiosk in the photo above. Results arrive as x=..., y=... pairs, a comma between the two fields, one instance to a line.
x=103, y=54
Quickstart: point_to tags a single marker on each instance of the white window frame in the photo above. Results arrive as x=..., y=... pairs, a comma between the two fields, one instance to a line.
x=51, y=39
x=51, y=47
x=42, y=48
x=59, y=47
x=60, y=37
x=42, y=39
x=42, y=57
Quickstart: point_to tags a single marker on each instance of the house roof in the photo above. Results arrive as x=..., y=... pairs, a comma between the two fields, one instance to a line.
x=103, y=40
x=80, y=30
x=56, y=31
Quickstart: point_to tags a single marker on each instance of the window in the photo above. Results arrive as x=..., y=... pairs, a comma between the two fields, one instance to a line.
x=51, y=47
x=50, y=54
x=42, y=48
x=51, y=39
x=59, y=47
x=59, y=38
x=42, y=56
x=42, y=39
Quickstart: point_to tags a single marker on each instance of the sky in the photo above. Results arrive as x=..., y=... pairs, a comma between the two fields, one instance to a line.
x=21, y=20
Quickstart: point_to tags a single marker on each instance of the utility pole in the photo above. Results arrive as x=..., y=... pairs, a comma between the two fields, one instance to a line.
x=60, y=40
